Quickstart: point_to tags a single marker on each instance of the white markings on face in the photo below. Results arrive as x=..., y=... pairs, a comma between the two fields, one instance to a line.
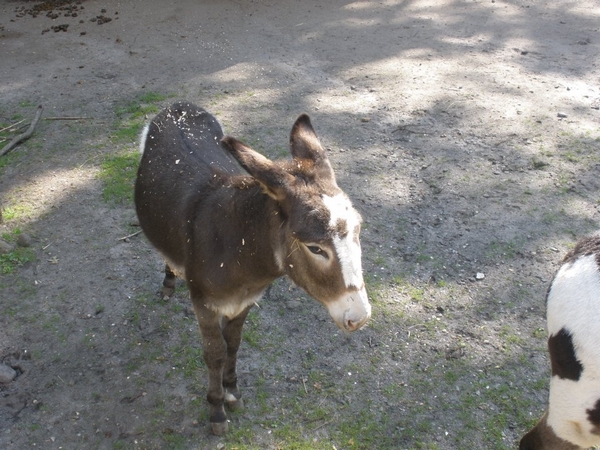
x=351, y=311
x=347, y=247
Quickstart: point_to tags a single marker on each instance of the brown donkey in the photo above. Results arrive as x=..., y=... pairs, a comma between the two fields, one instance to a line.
x=230, y=221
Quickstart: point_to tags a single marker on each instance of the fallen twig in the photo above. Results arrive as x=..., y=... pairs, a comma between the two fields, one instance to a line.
x=22, y=137
x=12, y=126
x=66, y=118
x=129, y=235
x=324, y=424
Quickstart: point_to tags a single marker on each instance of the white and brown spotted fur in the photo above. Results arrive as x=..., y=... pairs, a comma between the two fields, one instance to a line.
x=230, y=221
x=572, y=420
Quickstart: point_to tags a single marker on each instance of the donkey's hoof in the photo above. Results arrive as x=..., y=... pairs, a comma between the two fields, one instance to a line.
x=219, y=428
x=235, y=405
x=166, y=292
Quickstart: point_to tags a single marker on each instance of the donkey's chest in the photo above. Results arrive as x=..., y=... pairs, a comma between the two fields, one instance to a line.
x=228, y=297
x=233, y=306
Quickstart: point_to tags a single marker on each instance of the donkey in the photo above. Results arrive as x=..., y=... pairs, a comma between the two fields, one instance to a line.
x=572, y=420
x=229, y=221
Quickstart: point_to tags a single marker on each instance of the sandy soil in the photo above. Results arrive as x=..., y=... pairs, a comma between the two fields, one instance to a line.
x=466, y=133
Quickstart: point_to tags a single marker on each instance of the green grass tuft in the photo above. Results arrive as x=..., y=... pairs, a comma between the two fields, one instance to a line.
x=11, y=260
x=118, y=171
x=118, y=174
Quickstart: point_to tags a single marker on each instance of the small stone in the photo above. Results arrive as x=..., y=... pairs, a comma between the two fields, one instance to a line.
x=24, y=240
x=5, y=247
x=7, y=373
x=538, y=163
x=365, y=119
x=293, y=304
x=561, y=115
x=479, y=276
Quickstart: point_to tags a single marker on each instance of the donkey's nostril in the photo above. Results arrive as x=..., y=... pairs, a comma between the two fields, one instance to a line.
x=353, y=325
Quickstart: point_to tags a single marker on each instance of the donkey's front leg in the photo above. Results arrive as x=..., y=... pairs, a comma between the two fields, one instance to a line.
x=232, y=333
x=215, y=351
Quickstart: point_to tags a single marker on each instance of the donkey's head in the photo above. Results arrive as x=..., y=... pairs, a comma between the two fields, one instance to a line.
x=319, y=246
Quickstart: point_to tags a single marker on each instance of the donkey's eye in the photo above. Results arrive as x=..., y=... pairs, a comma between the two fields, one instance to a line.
x=317, y=250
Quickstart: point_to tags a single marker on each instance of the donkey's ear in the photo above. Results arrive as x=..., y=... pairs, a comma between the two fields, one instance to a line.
x=304, y=143
x=272, y=178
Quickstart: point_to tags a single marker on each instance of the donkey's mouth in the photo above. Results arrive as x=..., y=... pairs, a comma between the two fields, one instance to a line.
x=352, y=311
x=353, y=325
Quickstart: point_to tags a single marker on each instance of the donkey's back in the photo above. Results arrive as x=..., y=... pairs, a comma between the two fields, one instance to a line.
x=185, y=137
x=181, y=153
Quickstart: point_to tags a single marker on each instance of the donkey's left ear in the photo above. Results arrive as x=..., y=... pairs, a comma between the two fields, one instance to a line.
x=304, y=143
x=272, y=178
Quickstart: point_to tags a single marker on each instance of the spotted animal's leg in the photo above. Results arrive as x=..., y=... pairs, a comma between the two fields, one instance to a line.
x=232, y=333
x=168, y=283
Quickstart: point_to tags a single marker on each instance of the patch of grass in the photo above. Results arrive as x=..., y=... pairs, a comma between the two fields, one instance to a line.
x=262, y=395
x=173, y=440
x=118, y=171
x=552, y=217
x=374, y=288
x=252, y=333
x=141, y=106
x=118, y=174
x=27, y=104
x=510, y=338
x=539, y=333
x=192, y=361
x=17, y=212
x=12, y=236
x=7, y=160
x=416, y=294
x=127, y=132
x=501, y=250
x=366, y=431
x=290, y=437
x=9, y=262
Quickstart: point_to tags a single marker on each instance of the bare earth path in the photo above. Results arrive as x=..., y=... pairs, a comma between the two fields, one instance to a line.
x=467, y=133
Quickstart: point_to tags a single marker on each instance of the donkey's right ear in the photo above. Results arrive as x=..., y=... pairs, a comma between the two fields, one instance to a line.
x=273, y=179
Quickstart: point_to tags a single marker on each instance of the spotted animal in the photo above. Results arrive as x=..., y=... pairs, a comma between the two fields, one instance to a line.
x=572, y=419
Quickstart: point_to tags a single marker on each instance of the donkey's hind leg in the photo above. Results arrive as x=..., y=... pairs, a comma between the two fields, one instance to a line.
x=168, y=288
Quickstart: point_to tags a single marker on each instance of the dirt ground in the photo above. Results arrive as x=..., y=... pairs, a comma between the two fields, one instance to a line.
x=467, y=133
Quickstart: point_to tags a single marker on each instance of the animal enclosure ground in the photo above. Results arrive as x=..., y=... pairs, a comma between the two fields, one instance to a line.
x=467, y=134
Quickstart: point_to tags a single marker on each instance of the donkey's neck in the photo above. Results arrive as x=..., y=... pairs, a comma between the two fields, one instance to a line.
x=240, y=237
x=261, y=220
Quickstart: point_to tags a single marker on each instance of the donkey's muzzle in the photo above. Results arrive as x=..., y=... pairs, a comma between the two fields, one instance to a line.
x=351, y=311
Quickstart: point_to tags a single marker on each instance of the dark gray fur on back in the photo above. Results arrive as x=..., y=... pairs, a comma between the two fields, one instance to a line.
x=201, y=135
x=589, y=245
